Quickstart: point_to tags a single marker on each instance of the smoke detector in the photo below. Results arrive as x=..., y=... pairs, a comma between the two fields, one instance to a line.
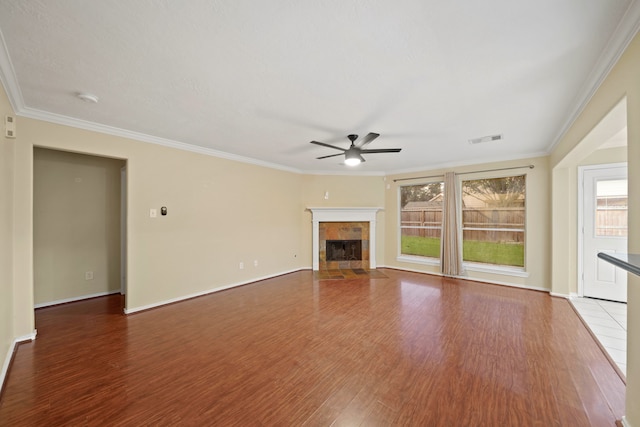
x=88, y=97
x=488, y=138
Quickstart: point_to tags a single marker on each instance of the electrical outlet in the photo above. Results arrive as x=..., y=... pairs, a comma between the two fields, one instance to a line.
x=88, y=275
x=241, y=265
x=255, y=263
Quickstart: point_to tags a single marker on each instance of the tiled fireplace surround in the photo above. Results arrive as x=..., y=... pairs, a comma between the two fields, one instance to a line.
x=344, y=231
x=344, y=224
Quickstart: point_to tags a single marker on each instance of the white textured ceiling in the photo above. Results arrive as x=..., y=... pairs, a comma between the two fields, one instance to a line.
x=260, y=80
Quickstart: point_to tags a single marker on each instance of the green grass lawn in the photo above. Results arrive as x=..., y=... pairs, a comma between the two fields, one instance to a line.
x=421, y=246
x=472, y=250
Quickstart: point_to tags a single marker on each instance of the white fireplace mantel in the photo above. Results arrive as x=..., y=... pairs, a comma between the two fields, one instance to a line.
x=343, y=215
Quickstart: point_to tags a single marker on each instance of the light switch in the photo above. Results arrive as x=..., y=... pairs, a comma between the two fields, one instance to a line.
x=153, y=213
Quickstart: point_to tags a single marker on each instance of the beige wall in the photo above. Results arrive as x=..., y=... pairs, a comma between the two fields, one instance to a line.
x=537, y=260
x=605, y=156
x=76, y=222
x=6, y=238
x=623, y=81
x=220, y=213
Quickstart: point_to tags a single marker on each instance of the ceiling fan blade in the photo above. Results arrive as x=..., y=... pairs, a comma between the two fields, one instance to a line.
x=328, y=145
x=331, y=155
x=367, y=139
x=382, y=150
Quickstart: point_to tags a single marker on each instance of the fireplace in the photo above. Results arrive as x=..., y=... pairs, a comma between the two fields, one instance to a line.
x=335, y=231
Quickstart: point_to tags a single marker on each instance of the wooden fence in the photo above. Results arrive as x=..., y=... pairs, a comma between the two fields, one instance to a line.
x=421, y=217
x=611, y=221
x=495, y=225
x=484, y=224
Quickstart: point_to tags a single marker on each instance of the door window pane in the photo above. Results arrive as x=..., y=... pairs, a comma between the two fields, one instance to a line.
x=611, y=208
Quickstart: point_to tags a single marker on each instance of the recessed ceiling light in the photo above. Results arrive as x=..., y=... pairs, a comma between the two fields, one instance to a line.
x=88, y=97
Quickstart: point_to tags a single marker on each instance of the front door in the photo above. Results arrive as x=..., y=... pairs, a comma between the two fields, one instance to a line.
x=604, y=230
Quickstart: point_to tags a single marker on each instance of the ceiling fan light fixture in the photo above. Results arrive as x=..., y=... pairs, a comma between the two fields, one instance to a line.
x=352, y=161
x=352, y=157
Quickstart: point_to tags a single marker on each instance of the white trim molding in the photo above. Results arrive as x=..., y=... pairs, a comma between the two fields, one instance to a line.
x=207, y=292
x=80, y=298
x=10, y=352
x=495, y=269
x=559, y=295
x=367, y=214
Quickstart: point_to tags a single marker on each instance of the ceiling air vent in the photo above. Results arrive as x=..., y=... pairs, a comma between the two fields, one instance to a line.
x=486, y=139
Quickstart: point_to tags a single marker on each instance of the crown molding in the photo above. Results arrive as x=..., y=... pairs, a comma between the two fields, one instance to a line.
x=451, y=165
x=8, y=78
x=617, y=44
x=46, y=116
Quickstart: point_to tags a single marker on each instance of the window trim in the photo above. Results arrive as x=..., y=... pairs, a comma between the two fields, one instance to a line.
x=495, y=269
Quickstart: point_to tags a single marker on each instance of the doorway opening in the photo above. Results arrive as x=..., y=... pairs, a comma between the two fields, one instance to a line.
x=600, y=163
x=78, y=217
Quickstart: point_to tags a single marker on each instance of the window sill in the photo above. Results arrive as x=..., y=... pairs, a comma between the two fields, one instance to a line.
x=418, y=260
x=494, y=269
x=480, y=268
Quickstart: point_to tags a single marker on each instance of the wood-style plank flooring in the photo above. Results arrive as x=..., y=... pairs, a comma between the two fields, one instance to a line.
x=409, y=349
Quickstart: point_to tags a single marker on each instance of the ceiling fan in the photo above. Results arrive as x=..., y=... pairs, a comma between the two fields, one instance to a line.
x=353, y=155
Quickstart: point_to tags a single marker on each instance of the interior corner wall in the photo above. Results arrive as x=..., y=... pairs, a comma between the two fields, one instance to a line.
x=622, y=82
x=7, y=335
x=605, y=156
x=76, y=221
x=561, y=224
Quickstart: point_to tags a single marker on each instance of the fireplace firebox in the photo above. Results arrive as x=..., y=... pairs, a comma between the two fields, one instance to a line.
x=344, y=250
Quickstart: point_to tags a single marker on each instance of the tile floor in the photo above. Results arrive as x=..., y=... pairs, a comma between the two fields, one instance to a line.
x=608, y=321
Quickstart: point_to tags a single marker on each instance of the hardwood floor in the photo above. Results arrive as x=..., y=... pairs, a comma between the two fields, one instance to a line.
x=409, y=349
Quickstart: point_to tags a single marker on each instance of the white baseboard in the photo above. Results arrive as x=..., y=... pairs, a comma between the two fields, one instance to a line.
x=66, y=300
x=497, y=282
x=473, y=279
x=9, y=355
x=207, y=292
x=559, y=295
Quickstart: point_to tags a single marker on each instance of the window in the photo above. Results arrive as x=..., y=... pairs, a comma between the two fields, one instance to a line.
x=493, y=221
x=421, y=219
